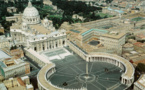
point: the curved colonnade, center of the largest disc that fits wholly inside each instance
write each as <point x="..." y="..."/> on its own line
<point x="44" y="74"/>
<point x="127" y="77"/>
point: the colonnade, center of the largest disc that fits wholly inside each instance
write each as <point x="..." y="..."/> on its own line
<point x="50" y="72"/>
<point x="126" y="81"/>
<point x="35" y="57"/>
<point x="81" y="53"/>
<point x="44" y="84"/>
<point x="48" y="44"/>
<point x="118" y="63"/>
<point x="104" y="57"/>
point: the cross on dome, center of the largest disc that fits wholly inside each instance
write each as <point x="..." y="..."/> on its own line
<point x="29" y="4"/>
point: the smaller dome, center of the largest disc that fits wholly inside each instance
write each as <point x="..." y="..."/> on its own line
<point x="45" y="20"/>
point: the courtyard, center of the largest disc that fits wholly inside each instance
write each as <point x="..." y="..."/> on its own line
<point x="70" y="71"/>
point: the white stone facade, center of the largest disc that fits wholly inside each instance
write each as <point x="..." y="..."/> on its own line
<point x="113" y="43"/>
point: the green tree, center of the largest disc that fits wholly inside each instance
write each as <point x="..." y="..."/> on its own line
<point x="141" y="67"/>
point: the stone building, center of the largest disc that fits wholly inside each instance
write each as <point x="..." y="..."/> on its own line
<point x="12" y="67"/>
<point x="17" y="53"/>
<point x="11" y="9"/>
<point x="109" y="41"/>
<point x="1" y="29"/>
<point x="140" y="83"/>
<point x="18" y="83"/>
<point x="4" y="42"/>
<point x="113" y="40"/>
<point x="16" y="18"/>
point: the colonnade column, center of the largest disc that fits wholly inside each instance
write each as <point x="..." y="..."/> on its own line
<point x="37" y="47"/>
<point x="58" y="45"/>
<point x="65" y="41"/>
<point x="41" y="46"/>
<point x="45" y="45"/>
<point x="61" y="42"/>
<point x="54" y="45"/>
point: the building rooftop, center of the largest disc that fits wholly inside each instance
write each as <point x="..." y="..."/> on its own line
<point x="2" y="86"/>
<point x="119" y="11"/>
<point x="18" y="88"/>
<point x="29" y="86"/>
<point x="40" y="28"/>
<point x="3" y="55"/>
<point x="115" y="36"/>
<point x="128" y="45"/>
<point x="141" y="82"/>
<point x="97" y="30"/>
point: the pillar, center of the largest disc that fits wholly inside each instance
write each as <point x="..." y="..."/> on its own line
<point x="54" y="44"/>
<point x="45" y="45"/>
<point x="37" y="47"/>
<point x="87" y="69"/>
<point x="48" y="45"/>
<point x="61" y="42"/>
<point x="58" y="44"/>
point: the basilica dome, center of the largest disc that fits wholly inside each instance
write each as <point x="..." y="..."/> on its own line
<point x="30" y="12"/>
<point x="31" y="15"/>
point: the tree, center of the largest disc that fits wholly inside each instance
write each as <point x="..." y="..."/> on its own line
<point x="141" y="67"/>
<point x="1" y="33"/>
<point x="11" y="48"/>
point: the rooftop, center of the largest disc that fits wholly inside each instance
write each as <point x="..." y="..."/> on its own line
<point x="2" y="86"/>
<point x="115" y="36"/>
<point x="97" y="30"/>
<point x="119" y="11"/>
<point x="141" y="81"/>
<point x="40" y="28"/>
<point x="3" y="55"/>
